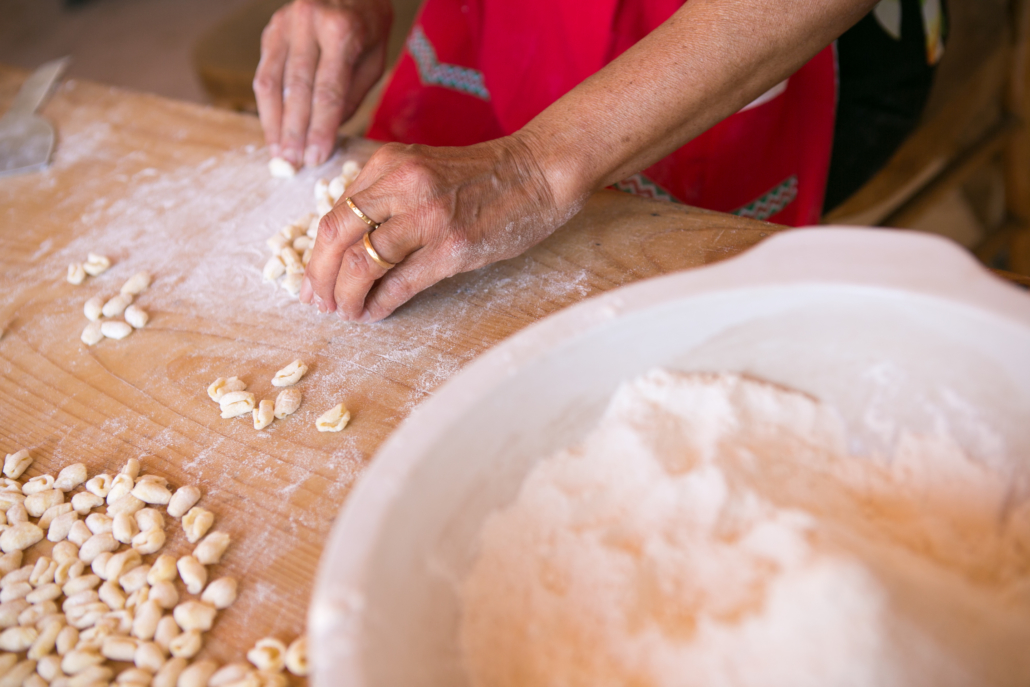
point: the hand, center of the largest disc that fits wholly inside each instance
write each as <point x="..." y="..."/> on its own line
<point x="318" y="60"/>
<point x="443" y="211"/>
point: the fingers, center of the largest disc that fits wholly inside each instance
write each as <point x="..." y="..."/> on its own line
<point x="332" y="81"/>
<point x="268" y="79"/>
<point x="338" y="231"/>
<point x="400" y="285"/>
<point x="298" y="84"/>
<point x="393" y="241"/>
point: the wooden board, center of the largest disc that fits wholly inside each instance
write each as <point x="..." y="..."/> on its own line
<point x="183" y="191"/>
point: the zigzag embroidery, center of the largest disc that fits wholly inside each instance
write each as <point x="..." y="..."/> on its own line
<point x="772" y="202"/>
<point x="435" y="73"/>
<point x="639" y="185"/>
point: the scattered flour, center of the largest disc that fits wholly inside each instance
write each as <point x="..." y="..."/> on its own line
<point x="713" y="530"/>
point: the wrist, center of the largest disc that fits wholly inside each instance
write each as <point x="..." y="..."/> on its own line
<point x="558" y="167"/>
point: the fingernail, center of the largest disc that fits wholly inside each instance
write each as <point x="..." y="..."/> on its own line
<point x="273" y="150"/>
<point x="292" y="155"/>
<point x="366" y="316"/>
<point x="306" y="291"/>
<point x="322" y="307"/>
<point x="312" y="156"/>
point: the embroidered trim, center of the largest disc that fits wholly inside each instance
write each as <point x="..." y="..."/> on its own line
<point x="772" y="202"/>
<point x="639" y="185"/>
<point x="432" y="72"/>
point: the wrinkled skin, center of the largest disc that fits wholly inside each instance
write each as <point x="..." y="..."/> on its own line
<point x="319" y="58"/>
<point x="449" y="210"/>
<point x="492" y="199"/>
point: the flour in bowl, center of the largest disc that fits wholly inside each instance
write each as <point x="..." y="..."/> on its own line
<point x="713" y="530"/>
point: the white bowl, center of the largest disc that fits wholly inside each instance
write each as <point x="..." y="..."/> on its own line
<point x="893" y="328"/>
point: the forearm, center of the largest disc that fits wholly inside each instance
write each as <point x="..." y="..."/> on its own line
<point x="711" y="58"/>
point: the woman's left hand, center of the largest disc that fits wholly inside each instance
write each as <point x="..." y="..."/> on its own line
<point x="442" y="211"/>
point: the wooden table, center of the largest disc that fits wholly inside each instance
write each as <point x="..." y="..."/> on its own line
<point x="183" y="191"/>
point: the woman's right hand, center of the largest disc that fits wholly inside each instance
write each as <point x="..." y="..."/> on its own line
<point x="319" y="58"/>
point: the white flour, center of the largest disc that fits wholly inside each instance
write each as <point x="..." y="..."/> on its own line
<point x="713" y="530"/>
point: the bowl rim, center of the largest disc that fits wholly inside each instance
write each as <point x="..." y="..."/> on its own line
<point x="901" y="260"/>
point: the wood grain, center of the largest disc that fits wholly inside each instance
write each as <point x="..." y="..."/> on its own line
<point x="123" y="156"/>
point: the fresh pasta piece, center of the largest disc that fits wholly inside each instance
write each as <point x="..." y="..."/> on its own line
<point x="38" y="503"/>
<point x="165" y="594"/>
<point x="268" y="654"/>
<point x="17" y="639"/>
<point x="116" y="305"/>
<point x="264" y="414"/>
<point x="291" y="374"/>
<point x="136" y="316"/>
<point x="196" y="523"/>
<point x="99" y="485"/>
<point x="93" y="308"/>
<point x="149" y="541"/>
<point x="335" y="189"/>
<point x="350" y="171"/>
<point x="281" y="168"/>
<point x="193" y="574"/>
<point x="15" y="464"/>
<point x="96" y="264"/>
<point x="137" y="283"/>
<point x="20" y="537"/>
<point x="62" y="525"/>
<point x="194" y="615"/>
<point x="76" y="273"/>
<point x="236" y="403"/>
<point x="221" y="593"/>
<point x="334" y="419"/>
<point x="291" y="260"/>
<point x="230" y="674"/>
<point x="210" y="549"/>
<point x="163" y="570"/>
<point x="92" y="334"/>
<point x="182" y="500"/>
<point x="122" y="563"/>
<point x="70" y="477"/>
<point x="99" y="523"/>
<point x="115" y="329"/>
<point x="117" y="648"/>
<point x="84" y="502"/>
<point x="274" y="268"/>
<point x="42" y="571"/>
<point x="186" y="645"/>
<point x="152" y="492"/>
<point x="96" y="545"/>
<point x="150" y="656"/>
<point x="286" y="403"/>
<point x="149" y="519"/>
<point x="144" y="623"/>
<point x="167" y="630"/>
<point x="222" y="386"/>
<point x="276" y="242"/>
<point x="126" y="504"/>
<point x="171" y="671"/>
<point x="124" y="528"/>
<point x="291" y="282"/>
<point x="52" y="513"/>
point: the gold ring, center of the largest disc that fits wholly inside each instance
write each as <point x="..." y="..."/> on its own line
<point x="375" y="256"/>
<point x="364" y="218"/>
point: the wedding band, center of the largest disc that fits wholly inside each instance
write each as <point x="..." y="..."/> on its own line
<point x="364" y="218"/>
<point x="372" y="252"/>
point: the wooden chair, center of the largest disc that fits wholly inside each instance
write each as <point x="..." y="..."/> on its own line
<point x="976" y="116"/>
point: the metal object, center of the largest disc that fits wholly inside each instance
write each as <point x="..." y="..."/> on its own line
<point x="364" y="218"/>
<point x="385" y="264"/>
<point x="26" y="140"/>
